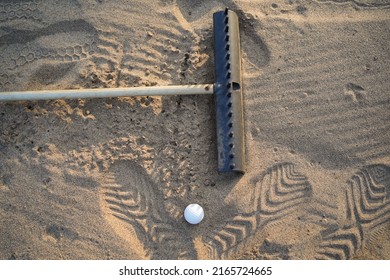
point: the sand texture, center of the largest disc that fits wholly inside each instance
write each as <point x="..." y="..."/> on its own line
<point x="110" y="178"/>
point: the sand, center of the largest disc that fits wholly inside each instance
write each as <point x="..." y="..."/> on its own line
<point x="109" y="178"/>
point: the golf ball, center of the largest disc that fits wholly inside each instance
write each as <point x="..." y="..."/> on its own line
<point x="194" y="214"/>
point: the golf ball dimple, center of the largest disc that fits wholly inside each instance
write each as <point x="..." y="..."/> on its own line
<point x="194" y="214"/>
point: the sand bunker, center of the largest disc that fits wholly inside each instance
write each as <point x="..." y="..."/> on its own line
<point x="110" y="178"/>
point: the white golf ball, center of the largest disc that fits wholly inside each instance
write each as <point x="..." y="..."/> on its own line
<point x="194" y="214"/>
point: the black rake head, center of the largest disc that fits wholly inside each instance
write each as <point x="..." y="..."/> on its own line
<point x="228" y="93"/>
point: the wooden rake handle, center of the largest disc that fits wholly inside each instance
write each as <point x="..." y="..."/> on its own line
<point x="106" y="92"/>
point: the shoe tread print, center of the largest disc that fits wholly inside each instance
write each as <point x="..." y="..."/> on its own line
<point x="280" y="191"/>
<point x="131" y="197"/>
<point x="129" y="201"/>
<point x="367" y="209"/>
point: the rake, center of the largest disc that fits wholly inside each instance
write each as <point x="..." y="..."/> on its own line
<point x="227" y="90"/>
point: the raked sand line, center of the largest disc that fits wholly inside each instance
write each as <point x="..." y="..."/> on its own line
<point x="149" y="52"/>
<point x="362" y="4"/>
<point x="308" y="96"/>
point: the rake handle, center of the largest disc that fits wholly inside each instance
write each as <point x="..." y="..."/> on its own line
<point x="106" y="92"/>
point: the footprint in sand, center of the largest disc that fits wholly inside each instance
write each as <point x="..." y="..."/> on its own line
<point x="31" y="39"/>
<point x="283" y="205"/>
<point x="133" y="203"/>
<point x="278" y="193"/>
<point x="15" y="10"/>
<point x="367" y="204"/>
<point x="63" y="41"/>
<point x="134" y="206"/>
